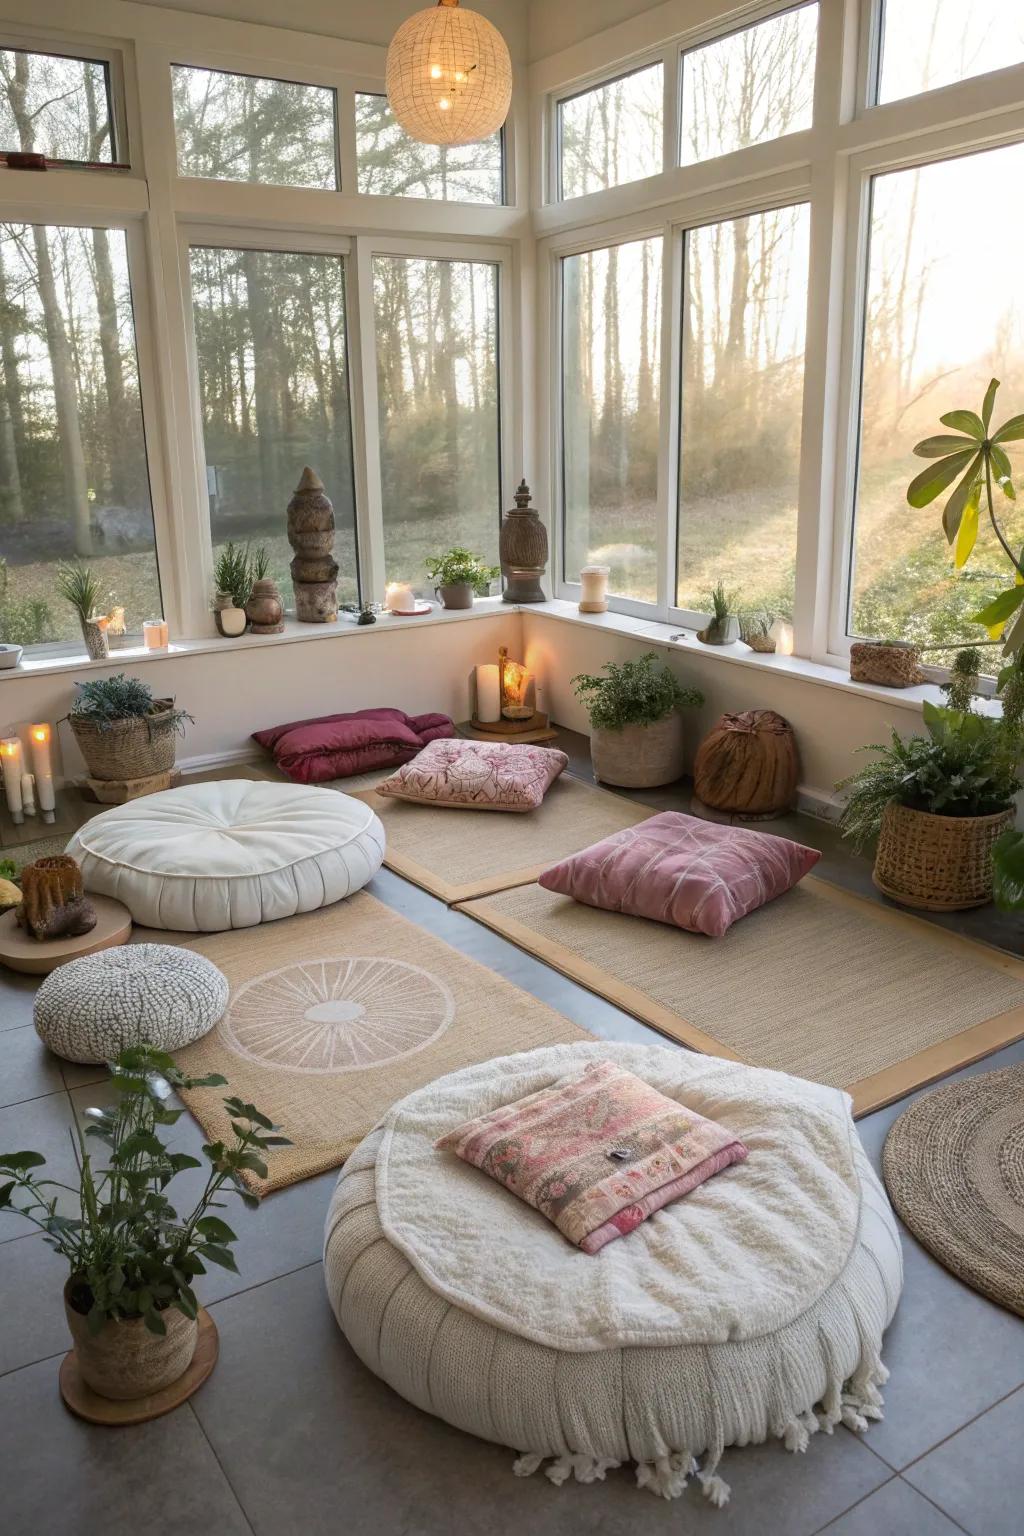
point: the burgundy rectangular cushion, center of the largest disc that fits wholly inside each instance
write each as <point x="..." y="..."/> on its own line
<point x="675" y="869"/>
<point x="338" y="746"/>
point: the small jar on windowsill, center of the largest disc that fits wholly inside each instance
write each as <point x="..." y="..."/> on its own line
<point x="231" y="621"/>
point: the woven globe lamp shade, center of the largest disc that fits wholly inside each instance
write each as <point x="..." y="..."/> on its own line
<point x="449" y="75"/>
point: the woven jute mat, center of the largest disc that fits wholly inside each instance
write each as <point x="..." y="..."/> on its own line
<point x="954" y="1169"/>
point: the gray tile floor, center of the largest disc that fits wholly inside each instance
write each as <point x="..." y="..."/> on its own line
<point x="291" y="1436"/>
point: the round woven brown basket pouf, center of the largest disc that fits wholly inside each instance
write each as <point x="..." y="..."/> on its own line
<point x="132" y="748"/>
<point x="937" y="863"/>
<point x="954" y="1168"/>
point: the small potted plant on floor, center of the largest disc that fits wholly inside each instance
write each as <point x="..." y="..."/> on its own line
<point x="232" y="578"/>
<point x="460" y="574"/>
<point x="77" y="584"/>
<point x="133" y="1259"/>
<point x="723" y="628"/>
<point x="636" y="729"/>
<point x="122" y="731"/>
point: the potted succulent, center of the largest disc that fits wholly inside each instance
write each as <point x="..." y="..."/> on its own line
<point x="263" y="608"/>
<point x="636" y="729"/>
<point x="132" y="1258"/>
<point x="122" y="731"/>
<point x="232" y="579"/>
<point x="77" y="584"/>
<point x="756" y="631"/>
<point x="941" y="804"/>
<point x="723" y="628"/>
<point x="460" y="574"/>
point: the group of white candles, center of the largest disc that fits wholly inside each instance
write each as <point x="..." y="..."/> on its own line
<point x="25" y="791"/>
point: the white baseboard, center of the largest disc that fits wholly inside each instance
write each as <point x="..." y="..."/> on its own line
<point x="824" y="804"/>
<point x="207" y="761"/>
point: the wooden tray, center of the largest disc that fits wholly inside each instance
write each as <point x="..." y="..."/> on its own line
<point x="38" y="957"/>
<point x="87" y="1404"/>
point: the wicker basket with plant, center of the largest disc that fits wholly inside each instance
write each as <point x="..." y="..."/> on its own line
<point x="636" y="729"/>
<point x="122" y="731"/>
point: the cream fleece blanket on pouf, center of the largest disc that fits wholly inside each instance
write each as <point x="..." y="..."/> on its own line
<point x="754" y="1307"/>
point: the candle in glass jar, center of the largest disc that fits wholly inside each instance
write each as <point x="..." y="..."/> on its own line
<point x="594" y="588"/>
<point x="11" y="758"/>
<point x="154" y="634"/>
<point x="399" y="597"/>
<point x="488" y="693"/>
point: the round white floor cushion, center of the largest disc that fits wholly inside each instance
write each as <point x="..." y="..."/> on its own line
<point x="89" y="1009"/>
<point x="230" y="854"/>
<point x="753" y="1307"/>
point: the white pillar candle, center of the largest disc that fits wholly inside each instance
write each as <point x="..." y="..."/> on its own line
<point x="10" y="756"/>
<point x="488" y="693"/>
<point x="46" y="797"/>
<point x="39" y="740"/>
<point x="28" y="794"/>
<point x="399" y="597"/>
<point x="594" y="588"/>
<point x="783" y="638"/>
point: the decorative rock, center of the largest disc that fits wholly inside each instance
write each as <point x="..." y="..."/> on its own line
<point x="53" y="903"/>
<point x="748" y="764"/>
<point x="523" y="550"/>
<point x="90" y="1009"/>
<point x="311" y="536"/>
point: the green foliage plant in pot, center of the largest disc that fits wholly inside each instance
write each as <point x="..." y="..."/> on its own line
<point x="459" y="575"/>
<point x="233" y="582"/>
<point x="636" y="738"/>
<point x="122" y="731"/>
<point x="78" y="586"/>
<point x="133" y="1258"/>
<point x="723" y="627"/>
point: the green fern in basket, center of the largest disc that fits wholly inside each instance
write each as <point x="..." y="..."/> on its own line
<point x="104" y="701"/>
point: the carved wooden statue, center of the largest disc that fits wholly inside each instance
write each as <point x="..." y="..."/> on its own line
<point x="54" y="904"/>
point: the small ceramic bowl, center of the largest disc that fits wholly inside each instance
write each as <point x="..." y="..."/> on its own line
<point x="10" y="655"/>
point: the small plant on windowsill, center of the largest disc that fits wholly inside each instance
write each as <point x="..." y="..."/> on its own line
<point x="458" y="575"/>
<point x="636" y="735"/>
<point x="232" y="579"/>
<point x="756" y="631"/>
<point x="723" y="628"/>
<point x="79" y="586"/>
<point x="132" y="1258"/>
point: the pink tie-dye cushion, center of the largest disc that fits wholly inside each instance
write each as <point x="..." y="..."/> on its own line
<point x="675" y="869"/>
<point x="597" y="1154"/>
<point x="477" y="775"/>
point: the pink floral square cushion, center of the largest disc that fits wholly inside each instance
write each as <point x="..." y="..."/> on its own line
<point x="675" y="869"/>
<point x="477" y="775"/>
<point x="596" y="1154"/>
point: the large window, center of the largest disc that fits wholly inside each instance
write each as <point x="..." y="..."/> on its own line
<point x="73" y="477"/>
<point x="928" y="43"/>
<point x="611" y="325"/>
<point x="612" y="133"/>
<point x="245" y="128"/>
<point x="273" y="384"/>
<point x="945" y="313"/>
<point x="55" y="106"/>
<point x="744" y="313"/>
<point x="437" y="390"/>
<point x="392" y="164"/>
<point x="749" y="86"/>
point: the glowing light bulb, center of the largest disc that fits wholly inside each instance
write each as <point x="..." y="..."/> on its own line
<point x="444" y="104"/>
<point x="460" y="76"/>
<point x="435" y="72"/>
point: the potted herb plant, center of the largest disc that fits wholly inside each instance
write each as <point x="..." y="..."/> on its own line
<point x="232" y="578"/>
<point x="723" y="628"/>
<point x="122" y="731"/>
<point x="636" y="729"/>
<point x="77" y="584"/>
<point x="132" y="1257"/>
<point x="460" y="574"/>
<point x="263" y="607"/>
<point x="941" y="804"/>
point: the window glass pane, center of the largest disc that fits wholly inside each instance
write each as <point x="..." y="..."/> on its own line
<point x="437" y="391"/>
<point x="273" y="389"/>
<point x="611" y="326"/>
<point x="244" y="128"/>
<point x="611" y="134"/>
<point x="945" y="313"/>
<point x="390" y="163"/>
<point x="928" y="43"/>
<point x="750" y="86"/>
<point x="744" y="317"/>
<point x="55" y="106"/>
<point x="73" y="475"/>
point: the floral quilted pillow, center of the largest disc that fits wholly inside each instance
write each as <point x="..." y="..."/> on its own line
<point x="477" y="775"/>
<point x="675" y="869"/>
<point x="598" y="1154"/>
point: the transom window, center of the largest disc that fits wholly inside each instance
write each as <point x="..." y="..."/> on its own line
<point x="611" y="133"/>
<point x="54" y="105"/>
<point x="392" y="164"/>
<point x="929" y="43"/>
<point x="247" y="128"/>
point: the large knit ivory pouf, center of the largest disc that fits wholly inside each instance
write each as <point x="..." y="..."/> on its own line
<point x="90" y="1009"/>
<point x="231" y="854"/>
<point x="754" y="1307"/>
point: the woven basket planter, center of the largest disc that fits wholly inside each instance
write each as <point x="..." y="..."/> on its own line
<point x="129" y="749"/>
<point x="937" y="863"/>
<point x="887" y="663"/>
<point x="639" y="756"/>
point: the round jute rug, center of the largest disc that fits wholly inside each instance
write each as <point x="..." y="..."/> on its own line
<point x="954" y="1168"/>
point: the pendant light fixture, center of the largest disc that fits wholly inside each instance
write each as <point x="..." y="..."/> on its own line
<point x="449" y="75"/>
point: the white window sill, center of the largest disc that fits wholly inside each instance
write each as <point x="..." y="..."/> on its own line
<point x="293" y="632"/>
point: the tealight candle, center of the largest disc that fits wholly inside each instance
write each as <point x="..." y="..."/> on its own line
<point x="11" y="758"/>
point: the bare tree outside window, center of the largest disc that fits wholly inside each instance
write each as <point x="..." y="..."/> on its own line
<point x="750" y="86"/>
<point x="391" y="164"/>
<point x="272" y="358"/>
<point x="611" y="134"/>
<point x="944" y="315"/>
<point x="611" y="327"/>
<point x="247" y="128"/>
<point x="438" y="409"/>
<point x="930" y="43"/>
<point x="59" y="105"/>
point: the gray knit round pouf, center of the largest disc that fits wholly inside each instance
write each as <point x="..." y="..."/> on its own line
<point x="90" y="1009"/>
